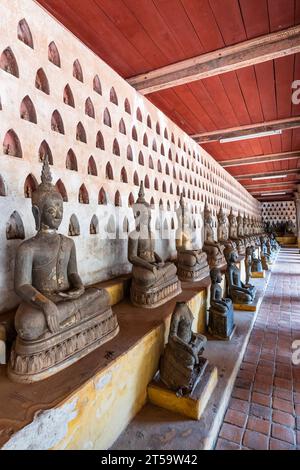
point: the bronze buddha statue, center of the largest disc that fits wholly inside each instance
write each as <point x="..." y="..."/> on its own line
<point x="238" y="292"/>
<point x="154" y="282"/>
<point x="213" y="249"/>
<point x="221" y="321"/>
<point x="59" y="320"/>
<point x="191" y="263"/>
<point x="182" y="364"/>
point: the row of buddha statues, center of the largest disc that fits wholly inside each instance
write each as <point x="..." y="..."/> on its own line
<point x="59" y="320"/>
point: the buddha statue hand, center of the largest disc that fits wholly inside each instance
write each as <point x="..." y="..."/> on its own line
<point x="51" y="314"/>
<point x="72" y="294"/>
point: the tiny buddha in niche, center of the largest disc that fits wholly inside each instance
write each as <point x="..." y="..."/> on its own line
<point x="182" y="364"/>
<point x="154" y="281"/>
<point x="59" y="320"/>
<point x="191" y="263"/>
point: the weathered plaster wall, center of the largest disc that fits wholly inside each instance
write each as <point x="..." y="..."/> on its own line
<point x="185" y="166"/>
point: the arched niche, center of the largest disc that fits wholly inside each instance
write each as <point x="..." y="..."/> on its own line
<point x="27" y="110"/>
<point x="129" y="153"/>
<point x="116" y="148"/>
<point x="74" y="227"/>
<point x="123" y="176"/>
<point x="118" y="199"/>
<point x="3" y="191"/>
<point x="94" y="225"/>
<point x="109" y="172"/>
<point x="106" y="118"/>
<point x="100" y="141"/>
<point x="68" y="97"/>
<point x="127" y="106"/>
<point x="92" y="168"/>
<point x="145" y="140"/>
<point x="141" y="159"/>
<point x="62" y="190"/>
<point x="57" y="124"/>
<point x="89" y="108"/>
<point x="77" y="70"/>
<point x="80" y="133"/>
<point x="71" y="161"/>
<point x="12" y="145"/>
<point x="97" y="85"/>
<point x="83" y="195"/>
<point x="136" y="180"/>
<point x="8" y="62"/>
<point x="53" y="54"/>
<point x="113" y="96"/>
<point x="30" y="186"/>
<point x="122" y="127"/>
<point x="41" y="81"/>
<point x="134" y="134"/>
<point x="139" y="115"/>
<point x="130" y="200"/>
<point x="102" y="199"/>
<point x="15" y="228"/>
<point x="24" y="33"/>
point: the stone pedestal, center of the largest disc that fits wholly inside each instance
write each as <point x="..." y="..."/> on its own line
<point x="258" y="274"/>
<point x="191" y="406"/>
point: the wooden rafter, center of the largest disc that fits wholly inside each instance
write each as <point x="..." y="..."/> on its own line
<point x="267" y="175"/>
<point x="279" y="124"/>
<point x="272" y="157"/>
<point x="244" y="54"/>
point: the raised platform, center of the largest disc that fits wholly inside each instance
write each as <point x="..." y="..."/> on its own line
<point x="258" y="274"/>
<point x="191" y="406"/>
<point x="155" y="428"/>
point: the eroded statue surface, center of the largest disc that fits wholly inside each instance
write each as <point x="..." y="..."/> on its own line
<point x="238" y="291"/>
<point x="154" y="281"/>
<point x="59" y="320"/>
<point x="191" y="263"/>
<point x="182" y="364"/>
<point x="221" y="317"/>
<point x="213" y="249"/>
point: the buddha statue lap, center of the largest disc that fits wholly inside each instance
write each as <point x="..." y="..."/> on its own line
<point x="191" y="263"/>
<point x="213" y="249"/>
<point x="221" y="321"/>
<point x="154" y="281"/>
<point x="59" y="320"/>
<point x="182" y="364"/>
<point x="238" y="291"/>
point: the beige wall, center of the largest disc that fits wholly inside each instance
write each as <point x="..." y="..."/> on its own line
<point x="98" y="256"/>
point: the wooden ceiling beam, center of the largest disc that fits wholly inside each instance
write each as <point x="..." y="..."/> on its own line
<point x="276" y="184"/>
<point x="267" y="175"/>
<point x="272" y="157"/>
<point x="244" y="54"/>
<point x="245" y="131"/>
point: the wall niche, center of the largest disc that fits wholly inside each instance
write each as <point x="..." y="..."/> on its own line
<point x="53" y="54"/>
<point x="41" y="81"/>
<point x="80" y="133"/>
<point x="3" y="191"/>
<point x="74" y="227"/>
<point x="100" y="141"/>
<point x="12" y="145"/>
<point x="89" y="108"/>
<point x="102" y="200"/>
<point x="27" y="110"/>
<point x="92" y="168"/>
<point x="44" y="150"/>
<point x="97" y="85"/>
<point x="62" y="190"/>
<point x="15" y="228"/>
<point x="71" y="161"/>
<point x="8" y="62"/>
<point x="77" y="71"/>
<point x="57" y="124"/>
<point x="30" y="186"/>
<point x="24" y="33"/>
<point x="94" y="225"/>
<point x="83" y="195"/>
<point x="68" y="97"/>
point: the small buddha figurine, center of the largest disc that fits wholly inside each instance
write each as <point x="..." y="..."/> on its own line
<point x="213" y="249"/>
<point x="59" y="320"/>
<point x="191" y="263"/>
<point x="154" y="282"/>
<point x="182" y="363"/>
<point x="238" y="291"/>
<point x="222" y="227"/>
<point x="240" y="234"/>
<point x="221" y="323"/>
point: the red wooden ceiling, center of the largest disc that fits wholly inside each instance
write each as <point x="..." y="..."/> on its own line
<point x="136" y="36"/>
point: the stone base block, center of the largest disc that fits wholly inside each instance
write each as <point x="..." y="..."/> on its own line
<point x="258" y="274"/>
<point x="189" y="275"/>
<point x="253" y="307"/>
<point x="156" y="296"/>
<point x="191" y="406"/>
<point x="221" y="338"/>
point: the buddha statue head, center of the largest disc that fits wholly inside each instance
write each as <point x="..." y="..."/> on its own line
<point x="215" y="275"/>
<point x="222" y="217"/>
<point x="47" y="202"/>
<point x="231" y="256"/>
<point x="142" y="210"/>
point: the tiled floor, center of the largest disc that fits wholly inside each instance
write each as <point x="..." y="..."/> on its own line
<point x="264" y="410"/>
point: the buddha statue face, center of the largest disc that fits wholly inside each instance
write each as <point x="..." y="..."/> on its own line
<point x="142" y="215"/>
<point x="233" y="256"/>
<point x="52" y="212"/>
<point x="216" y="275"/>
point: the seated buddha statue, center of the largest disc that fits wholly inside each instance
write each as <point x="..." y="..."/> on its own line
<point x="182" y="364"/>
<point x="213" y="249"/>
<point x="246" y="230"/>
<point x="191" y="263"/>
<point x="59" y="320"/>
<point x="238" y="291"/>
<point x="221" y="323"/>
<point x="256" y="263"/>
<point x="240" y="234"/>
<point x="154" y="281"/>
<point x="222" y="231"/>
